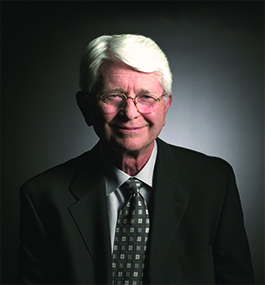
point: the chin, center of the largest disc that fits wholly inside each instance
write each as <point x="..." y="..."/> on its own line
<point x="131" y="145"/>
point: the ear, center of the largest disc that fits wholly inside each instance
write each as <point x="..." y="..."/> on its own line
<point x="84" y="105"/>
<point x="168" y="102"/>
<point x="167" y="105"/>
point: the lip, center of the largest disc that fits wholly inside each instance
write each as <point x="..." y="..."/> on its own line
<point x="128" y="129"/>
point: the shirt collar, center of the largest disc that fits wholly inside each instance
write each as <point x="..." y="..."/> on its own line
<point x="114" y="177"/>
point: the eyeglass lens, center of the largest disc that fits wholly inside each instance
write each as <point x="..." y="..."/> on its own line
<point x="111" y="103"/>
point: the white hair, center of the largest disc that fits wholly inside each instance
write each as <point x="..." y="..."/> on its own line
<point x="139" y="52"/>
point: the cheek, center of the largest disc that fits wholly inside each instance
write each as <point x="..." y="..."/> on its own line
<point x="102" y="125"/>
<point x="163" y="114"/>
<point x="164" y="119"/>
<point x="161" y="119"/>
<point x="157" y="120"/>
<point x="100" y="118"/>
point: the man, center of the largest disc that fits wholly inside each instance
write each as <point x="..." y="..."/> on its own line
<point x="183" y="223"/>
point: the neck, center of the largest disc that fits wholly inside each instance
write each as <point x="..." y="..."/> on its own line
<point x="130" y="162"/>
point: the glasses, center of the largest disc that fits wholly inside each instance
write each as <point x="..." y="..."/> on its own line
<point x="111" y="102"/>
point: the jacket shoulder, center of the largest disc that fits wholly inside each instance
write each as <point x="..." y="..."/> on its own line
<point x="192" y="160"/>
<point x="60" y="176"/>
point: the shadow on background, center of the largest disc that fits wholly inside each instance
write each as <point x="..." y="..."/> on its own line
<point x="215" y="50"/>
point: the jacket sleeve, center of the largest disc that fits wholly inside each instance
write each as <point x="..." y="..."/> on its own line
<point x="231" y="249"/>
<point x="33" y="250"/>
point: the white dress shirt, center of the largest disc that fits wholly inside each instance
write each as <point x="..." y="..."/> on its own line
<point x="114" y="178"/>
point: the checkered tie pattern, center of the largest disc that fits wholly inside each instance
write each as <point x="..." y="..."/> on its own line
<point x="130" y="238"/>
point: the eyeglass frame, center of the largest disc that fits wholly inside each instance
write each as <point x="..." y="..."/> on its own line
<point x="133" y="98"/>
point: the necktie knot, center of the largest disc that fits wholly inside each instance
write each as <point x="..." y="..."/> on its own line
<point x="133" y="185"/>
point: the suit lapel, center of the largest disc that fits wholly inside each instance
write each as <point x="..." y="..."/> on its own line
<point x="170" y="202"/>
<point x="91" y="215"/>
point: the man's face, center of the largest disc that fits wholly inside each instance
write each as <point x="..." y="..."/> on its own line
<point x="127" y="129"/>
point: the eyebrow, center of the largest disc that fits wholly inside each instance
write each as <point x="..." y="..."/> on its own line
<point x="113" y="90"/>
<point x="142" y="90"/>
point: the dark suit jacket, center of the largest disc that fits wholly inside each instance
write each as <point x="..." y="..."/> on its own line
<point x="197" y="234"/>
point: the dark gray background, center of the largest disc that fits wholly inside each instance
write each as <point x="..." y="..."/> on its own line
<point x="215" y="50"/>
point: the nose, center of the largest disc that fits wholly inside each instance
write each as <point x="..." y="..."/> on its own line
<point x="130" y="109"/>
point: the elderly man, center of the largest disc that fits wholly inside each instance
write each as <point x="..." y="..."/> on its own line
<point x="134" y="209"/>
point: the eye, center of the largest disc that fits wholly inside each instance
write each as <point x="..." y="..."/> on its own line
<point x="145" y="96"/>
<point x="114" y="95"/>
<point x="110" y="98"/>
<point x="149" y="98"/>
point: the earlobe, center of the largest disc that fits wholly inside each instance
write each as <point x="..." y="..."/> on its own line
<point x="84" y="106"/>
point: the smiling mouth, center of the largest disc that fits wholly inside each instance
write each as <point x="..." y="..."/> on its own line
<point x="131" y="129"/>
<point x="121" y="128"/>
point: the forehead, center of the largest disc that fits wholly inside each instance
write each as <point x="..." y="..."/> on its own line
<point x="121" y="76"/>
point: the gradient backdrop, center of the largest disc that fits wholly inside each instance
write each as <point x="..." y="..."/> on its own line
<point x="216" y="53"/>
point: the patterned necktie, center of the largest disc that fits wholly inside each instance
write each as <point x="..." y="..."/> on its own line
<point x="130" y="238"/>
